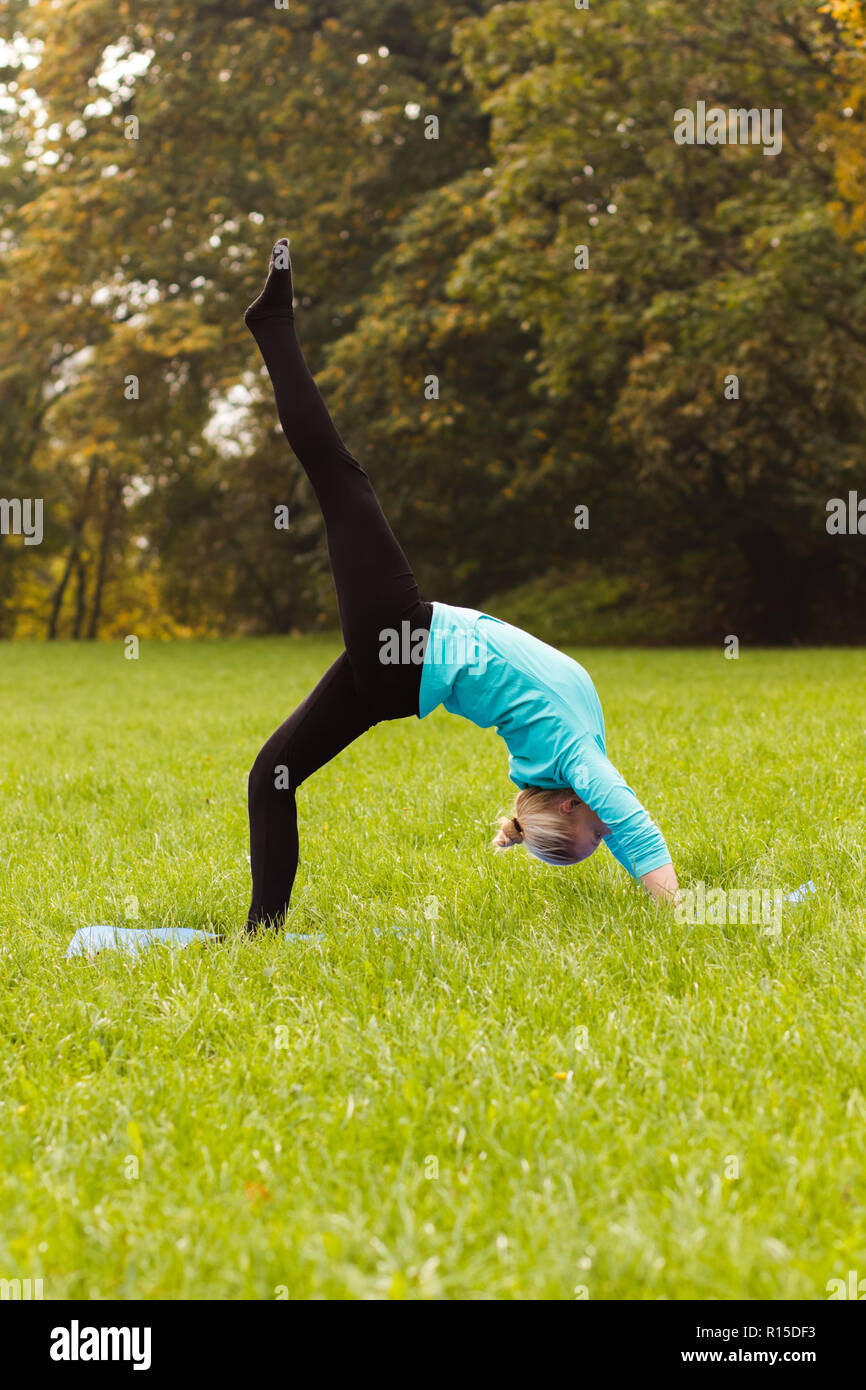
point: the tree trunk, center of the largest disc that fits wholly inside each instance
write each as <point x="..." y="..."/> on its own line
<point x="59" y="594"/>
<point x="80" y="596"/>
<point x="78" y="521"/>
<point x="113" y="492"/>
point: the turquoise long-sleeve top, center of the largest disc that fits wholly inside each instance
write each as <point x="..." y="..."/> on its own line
<point x="545" y="707"/>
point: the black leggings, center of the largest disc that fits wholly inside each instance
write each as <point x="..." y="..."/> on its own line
<point x="376" y="589"/>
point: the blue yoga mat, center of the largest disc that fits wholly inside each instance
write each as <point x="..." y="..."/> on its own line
<point x="87" y="941"/>
<point x="800" y="894"/>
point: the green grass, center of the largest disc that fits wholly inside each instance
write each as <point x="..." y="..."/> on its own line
<point x="287" y="1104"/>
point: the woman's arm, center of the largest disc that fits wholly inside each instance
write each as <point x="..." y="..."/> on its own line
<point x="662" y="884"/>
<point x="632" y="837"/>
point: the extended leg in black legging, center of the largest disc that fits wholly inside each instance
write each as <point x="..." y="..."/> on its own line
<point x="376" y="589"/>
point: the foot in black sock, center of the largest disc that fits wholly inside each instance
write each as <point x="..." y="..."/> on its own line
<point x="275" y="300"/>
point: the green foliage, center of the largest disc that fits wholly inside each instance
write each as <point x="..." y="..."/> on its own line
<point x="588" y="609"/>
<point x="449" y="257"/>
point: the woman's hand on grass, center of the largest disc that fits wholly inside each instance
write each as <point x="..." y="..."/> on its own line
<point x="662" y="885"/>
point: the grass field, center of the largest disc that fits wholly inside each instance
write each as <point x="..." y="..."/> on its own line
<point x="489" y="1078"/>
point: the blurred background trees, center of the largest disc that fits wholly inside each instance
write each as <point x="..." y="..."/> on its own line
<point x="435" y="167"/>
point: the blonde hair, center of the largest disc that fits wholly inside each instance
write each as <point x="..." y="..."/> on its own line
<point x="538" y="823"/>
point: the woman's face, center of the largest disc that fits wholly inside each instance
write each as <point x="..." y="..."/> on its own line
<point x="589" y="830"/>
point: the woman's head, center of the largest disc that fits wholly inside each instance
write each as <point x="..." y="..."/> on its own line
<point x="556" y="826"/>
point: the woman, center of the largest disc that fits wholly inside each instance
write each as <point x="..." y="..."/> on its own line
<point x="405" y="657"/>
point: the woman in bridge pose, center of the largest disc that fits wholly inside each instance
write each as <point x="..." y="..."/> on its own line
<point x="404" y="657"/>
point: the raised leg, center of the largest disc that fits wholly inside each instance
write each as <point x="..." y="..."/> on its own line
<point x="376" y="588"/>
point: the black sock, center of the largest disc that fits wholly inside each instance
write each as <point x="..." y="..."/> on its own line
<point x="275" y="300"/>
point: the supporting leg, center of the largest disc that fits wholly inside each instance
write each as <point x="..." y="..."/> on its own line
<point x="332" y="716"/>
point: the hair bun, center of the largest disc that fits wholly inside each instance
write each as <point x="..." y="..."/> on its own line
<point x="510" y="833"/>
